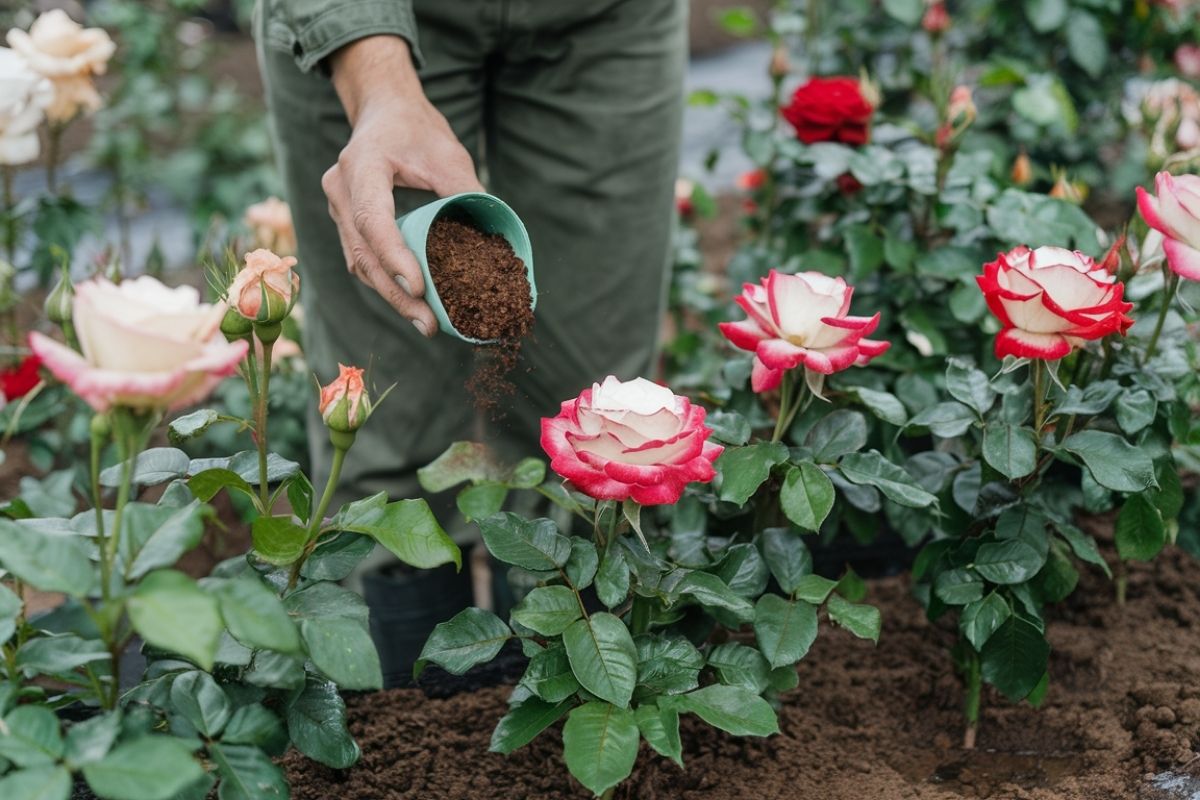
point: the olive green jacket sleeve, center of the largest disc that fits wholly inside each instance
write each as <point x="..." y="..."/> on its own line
<point x="312" y="29"/>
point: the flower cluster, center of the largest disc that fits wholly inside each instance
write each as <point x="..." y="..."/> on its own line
<point x="70" y="56"/>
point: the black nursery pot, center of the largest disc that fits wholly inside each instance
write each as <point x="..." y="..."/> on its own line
<point x="405" y="605"/>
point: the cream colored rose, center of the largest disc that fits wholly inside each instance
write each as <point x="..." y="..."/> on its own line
<point x="62" y="50"/>
<point x="270" y="222"/>
<point x="144" y="346"/>
<point x="24" y="96"/>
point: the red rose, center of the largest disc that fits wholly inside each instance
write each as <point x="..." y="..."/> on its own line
<point x="1050" y="300"/>
<point x="830" y="110"/>
<point x="18" y="381"/>
<point x="630" y="440"/>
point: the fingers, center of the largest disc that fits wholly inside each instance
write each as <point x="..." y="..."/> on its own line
<point x="363" y="263"/>
<point x="373" y="216"/>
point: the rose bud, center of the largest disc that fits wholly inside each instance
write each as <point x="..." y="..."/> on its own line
<point x="266" y="288"/>
<point x="59" y="301"/>
<point x="344" y="403"/>
<point x="683" y="197"/>
<point x="1050" y="301"/>
<point x="801" y="320"/>
<point x="1175" y="213"/>
<point x="780" y="64"/>
<point x="936" y="19"/>
<point x="1112" y="259"/>
<point x="235" y="326"/>
<point x="831" y="110"/>
<point x="1022" y="170"/>
<point x="144" y="346"/>
<point x="1070" y="191"/>
<point x="631" y="440"/>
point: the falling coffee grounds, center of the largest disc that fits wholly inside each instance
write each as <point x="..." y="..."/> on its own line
<point x="485" y="291"/>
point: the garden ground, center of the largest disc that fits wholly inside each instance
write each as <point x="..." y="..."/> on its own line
<point x="1120" y="720"/>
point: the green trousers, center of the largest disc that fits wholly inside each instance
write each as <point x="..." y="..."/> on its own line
<point x="572" y="111"/>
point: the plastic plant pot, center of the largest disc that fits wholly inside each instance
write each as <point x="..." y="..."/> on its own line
<point x="487" y="213"/>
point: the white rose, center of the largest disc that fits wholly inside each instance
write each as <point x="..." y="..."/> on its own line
<point x="24" y="95"/>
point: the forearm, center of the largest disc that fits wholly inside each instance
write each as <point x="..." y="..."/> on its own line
<point x="375" y="67"/>
<point x="313" y="30"/>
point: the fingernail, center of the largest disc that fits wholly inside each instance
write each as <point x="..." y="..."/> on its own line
<point x="420" y="325"/>
<point x="400" y="279"/>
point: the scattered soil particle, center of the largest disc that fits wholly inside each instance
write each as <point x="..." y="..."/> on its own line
<point x="483" y="286"/>
<point x="866" y="721"/>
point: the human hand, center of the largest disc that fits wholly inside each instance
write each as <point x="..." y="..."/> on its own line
<point x="398" y="139"/>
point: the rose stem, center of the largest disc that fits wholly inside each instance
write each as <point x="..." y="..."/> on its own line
<point x="971" y="704"/>
<point x="260" y="427"/>
<point x="1038" y="368"/>
<point x="99" y="435"/>
<point x="785" y="401"/>
<point x="341" y="444"/>
<point x="1172" y="288"/>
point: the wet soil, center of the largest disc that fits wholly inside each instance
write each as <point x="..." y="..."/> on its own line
<point x="866" y="721"/>
<point x="485" y="290"/>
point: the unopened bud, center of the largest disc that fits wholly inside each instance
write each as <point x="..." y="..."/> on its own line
<point x="1022" y="170"/>
<point x="781" y="65"/>
<point x="61" y="300"/>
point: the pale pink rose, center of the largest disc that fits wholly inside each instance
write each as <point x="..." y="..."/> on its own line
<point x="1175" y="213"/>
<point x="630" y="440"/>
<point x="145" y="346"/>
<point x="1050" y="300"/>
<point x="1187" y="60"/>
<point x="344" y="403"/>
<point x="24" y="97"/>
<point x="801" y="320"/>
<point x="62" y="50"/>
<point x="266" y="288"/>
<point x="270" y="222"/>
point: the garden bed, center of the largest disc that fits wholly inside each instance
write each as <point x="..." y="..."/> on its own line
<point x="867" y="721"/>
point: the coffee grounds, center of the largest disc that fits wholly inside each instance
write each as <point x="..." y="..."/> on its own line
<point x="485" y="290"/>
<point x="866" y="721"/>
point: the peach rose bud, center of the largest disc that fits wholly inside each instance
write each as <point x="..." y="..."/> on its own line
<point x="266" y="288"/>
<point x="344" y="404"/>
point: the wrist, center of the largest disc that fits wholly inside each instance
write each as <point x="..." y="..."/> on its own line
<point x="374" y="69"/>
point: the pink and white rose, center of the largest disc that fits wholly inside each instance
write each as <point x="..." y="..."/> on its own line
<point x="145" y="346"/>
<point x="630" y="440"/>
<point x="1050" y="301"/>
<point x="801" y="320"/>
<point x="1175" y="213"/>
<point x="24" y="96"/>
<point x="62" y="50"/>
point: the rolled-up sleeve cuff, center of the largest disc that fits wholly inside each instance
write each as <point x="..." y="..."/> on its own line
<point x="346" y="22"/>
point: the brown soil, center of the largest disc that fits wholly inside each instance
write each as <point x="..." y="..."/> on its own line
<point x="880" y="722"/>
<point x="485" y="290"/>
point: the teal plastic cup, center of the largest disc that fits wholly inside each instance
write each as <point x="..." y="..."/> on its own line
<point x="487" y="213"/>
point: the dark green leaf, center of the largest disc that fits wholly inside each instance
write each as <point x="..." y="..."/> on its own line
<point x="30" y="736"/>
<point x="743" y="469"/>
<point x="1014" y="658"/>
<point x="406" y="528"/>
<point x="733" y="709"/>
<point x="807" y="496"/>
<point x="549" y="675"/>
<point x="548" y="610"/>
<point x="523" y="722"/>
<point x="957" y="587"/>
<point x="531" y="544"/>
<point x="278" y="540"/>
<point x="667" y="664"/>
<point x="660" y="729"/>
<point x="191" y="425"/>
<point x="170" y="611"/>
<point x="600" y="744"/>
<point x="247" y="773"/>
<point x="980" y="619"/>
<point x="603" y="657"/>
<point x="471" y="637"/>
<point x="316" y="722"/>
<point x="1140" y="533"/>
<point x="612" y="578"/>
<point x="860" y="619"/>
<point x="785" y="629"/>
<point x="255" y="616"/>
<point x="198" y="698"/>
<point x="1010" y="450"/>
<point x="787" y="557"/>
<point x="39" y="783"/>
<point x="148" y="768"/>
<point x="481" y="500"/>
<point x="836" y="434"/>
<point x="47" y="561"/>
<point x="1008" y="561"/>
<point x="1113" y="462"/>
<point x="873" y="469"/>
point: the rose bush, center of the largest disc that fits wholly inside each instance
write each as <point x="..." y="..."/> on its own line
<point x="1174" y="211"/>
<point x="1050" y="300"/>
<point x="142" y="345"/>
<point x="631" y="440"/>
<point x="801" y="320"/>
<point x="830" y="110"/>
<point x="23" y="101"/>
<point x="68" y="54"/>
